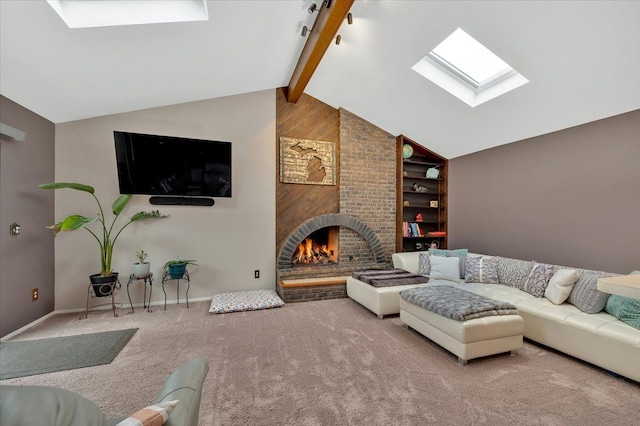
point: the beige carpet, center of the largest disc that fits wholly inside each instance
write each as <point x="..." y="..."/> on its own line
<point x="334" y="363"/>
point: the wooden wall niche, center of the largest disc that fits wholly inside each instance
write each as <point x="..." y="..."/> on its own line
<point x="307" y="119"/>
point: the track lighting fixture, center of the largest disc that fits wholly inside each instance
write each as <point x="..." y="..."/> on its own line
<point x="312" y="8"/>
<point x="349" y="18"/>
<point x="338" y="38"/>
<point x="305" y="30"/>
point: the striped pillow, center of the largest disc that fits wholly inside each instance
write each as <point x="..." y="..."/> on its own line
<point x="586" y="296"/>
<point x="154" y="415"/>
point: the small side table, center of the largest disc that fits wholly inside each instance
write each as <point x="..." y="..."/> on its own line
<point x="145" y="280"/>
<point x="166" y="277"/>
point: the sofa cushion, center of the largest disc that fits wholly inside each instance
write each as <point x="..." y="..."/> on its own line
<point x="625" y="309"/>
<point x="513" y="272"/>
<point x="459" y="253"/>
<point x="44" y="405"/>
<point x="445" y="268"/>
<point x="585" y="294"/>
<point x="538" y="279"/>
<point x="481" y="270"/>
<point x="560" y="285"/>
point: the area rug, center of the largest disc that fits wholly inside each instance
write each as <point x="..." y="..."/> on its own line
<point x="251" y="300"/>
<point x="31" y="357"/>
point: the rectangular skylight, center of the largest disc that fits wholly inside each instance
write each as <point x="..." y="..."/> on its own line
<point x="468" y="70"/>
<point x="103" y="13"/>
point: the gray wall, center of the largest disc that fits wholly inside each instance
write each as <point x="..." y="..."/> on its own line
<point x="570" y="198"/>
<point x="26" y="262"/>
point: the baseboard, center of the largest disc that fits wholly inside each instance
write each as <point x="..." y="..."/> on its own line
<point x="28" y="326"/>
<point x="99" y="308"/>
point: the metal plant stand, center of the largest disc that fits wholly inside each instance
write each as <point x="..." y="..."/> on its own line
<point x="166" y="277"/>
<point x="112" y="292"/>
<point x="145" y="280"/>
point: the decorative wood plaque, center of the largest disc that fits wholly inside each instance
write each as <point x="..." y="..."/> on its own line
<point x="307" y="162"/>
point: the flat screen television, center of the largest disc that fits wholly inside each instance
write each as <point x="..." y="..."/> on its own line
<point x="172" y="166"/>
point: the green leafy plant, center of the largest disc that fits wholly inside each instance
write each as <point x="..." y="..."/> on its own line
<point x="179" y="262"/>
<point x="141" y="255"/>
<point x="104" y="236"/>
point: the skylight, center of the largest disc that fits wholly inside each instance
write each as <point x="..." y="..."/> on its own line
<point x="104" y="13"/>
<point x="468" y="70"/>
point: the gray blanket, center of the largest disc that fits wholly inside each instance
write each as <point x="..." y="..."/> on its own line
<point x="388" y="277"/>
<point x="455" y="303"/>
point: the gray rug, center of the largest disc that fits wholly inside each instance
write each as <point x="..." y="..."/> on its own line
<point x="30" y="357"/>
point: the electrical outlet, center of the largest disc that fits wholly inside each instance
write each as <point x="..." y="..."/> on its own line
<point x="256" y="273"/>
<point x="34" y="294"/>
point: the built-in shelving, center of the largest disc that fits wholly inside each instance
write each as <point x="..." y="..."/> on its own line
<point x="412" y="171"/>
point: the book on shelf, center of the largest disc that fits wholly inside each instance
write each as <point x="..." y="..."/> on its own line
<point x="437" y="234"/>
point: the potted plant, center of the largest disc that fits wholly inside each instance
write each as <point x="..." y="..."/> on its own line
<point x="141" y="269"/>
<point x="106" y="235"/>
<point x="177" y="267"/>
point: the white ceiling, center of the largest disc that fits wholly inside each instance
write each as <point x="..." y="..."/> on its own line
<point x="581" y="57"/>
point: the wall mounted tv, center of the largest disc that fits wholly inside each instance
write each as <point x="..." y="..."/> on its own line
<point x="172" y="166"/>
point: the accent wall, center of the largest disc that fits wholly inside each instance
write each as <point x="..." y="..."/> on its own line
<point x="26" y="261"/>
<point x="570" y="197"/>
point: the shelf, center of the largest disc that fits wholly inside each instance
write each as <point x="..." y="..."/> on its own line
<point x="422" y="193"/>
<point x="422" y="238"/>
<point x="421" y="206"/>
<point x="421" y="163"/>
<point x="423" y="178"/>
<point x="411" y="174"/>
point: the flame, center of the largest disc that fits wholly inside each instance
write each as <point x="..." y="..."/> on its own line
<point x="308" y="250"/>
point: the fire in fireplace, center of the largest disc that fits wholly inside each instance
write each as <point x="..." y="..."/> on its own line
<point x="319" y="248"/>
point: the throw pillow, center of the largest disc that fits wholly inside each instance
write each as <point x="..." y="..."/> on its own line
<point x="424" y="266"/>
<point x="154" y="415"/>
<point x="625" y="309"/>
<point x="538" y="279"/>
<point x="513" y="272"/>
<point x="586" y="296"/>
<point x="481" y="270"/>
<point x="459" y="253"/>
<point x="444" y="268"/>
<point x="560" y="285"/>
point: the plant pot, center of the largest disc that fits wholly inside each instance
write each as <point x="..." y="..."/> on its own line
<point x="141" y="270"/>
<point x="103" y="286"/>
<point x="177" y="271"/>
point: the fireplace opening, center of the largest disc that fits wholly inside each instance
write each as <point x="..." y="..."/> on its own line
<point x="319" y="248"/>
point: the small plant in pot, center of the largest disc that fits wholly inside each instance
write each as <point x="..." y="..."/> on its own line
<point x="141" y="269"/>
<point x="105" y="235"/>
<point x="177" y="267"/>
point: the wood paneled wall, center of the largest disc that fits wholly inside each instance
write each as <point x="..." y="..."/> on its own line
<point x="307" y="119"/>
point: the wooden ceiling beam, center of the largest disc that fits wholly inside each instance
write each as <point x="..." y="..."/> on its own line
<point x="324" y="32"/>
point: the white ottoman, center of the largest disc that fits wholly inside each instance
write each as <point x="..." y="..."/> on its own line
<point x="379" y="300"/>
<point x="466" y="339"/>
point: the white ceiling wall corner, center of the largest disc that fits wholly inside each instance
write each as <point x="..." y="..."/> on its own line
<point x="68" y="74"/>
<point x="580" y="57"/>
<point x="577" y="56"/>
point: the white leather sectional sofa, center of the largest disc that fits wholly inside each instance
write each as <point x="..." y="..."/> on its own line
<point x="600" y="339"/>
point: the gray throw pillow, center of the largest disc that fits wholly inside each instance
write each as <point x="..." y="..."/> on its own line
<point x="424" y="266"/>
<point x="586" y="296"/>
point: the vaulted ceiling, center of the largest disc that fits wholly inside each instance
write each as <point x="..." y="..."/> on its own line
<point x="581" y="57"/>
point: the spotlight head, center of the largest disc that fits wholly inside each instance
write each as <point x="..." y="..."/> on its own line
<point x="349" y="18"/>
<point x="304" y="32"/>
<point x="312" y="8"/>
<point x="338" y="38"/>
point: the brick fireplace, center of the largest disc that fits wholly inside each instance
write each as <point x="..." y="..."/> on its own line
<point x="362" y="206"/>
